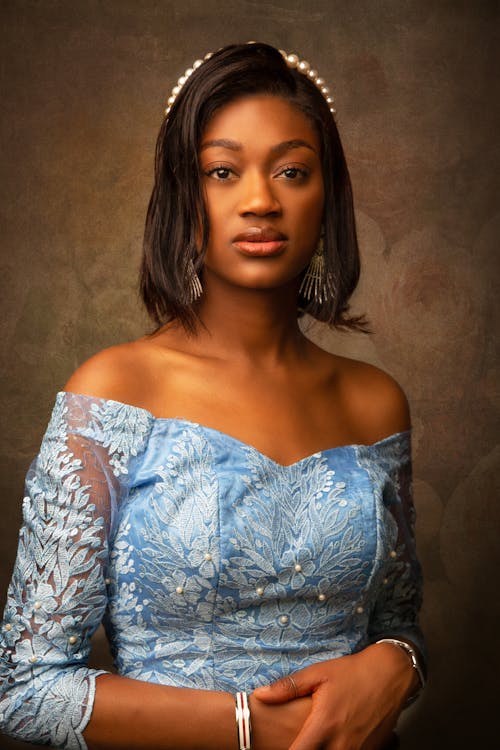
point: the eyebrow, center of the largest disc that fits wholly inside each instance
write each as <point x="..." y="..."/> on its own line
<point x="277" y="150"/>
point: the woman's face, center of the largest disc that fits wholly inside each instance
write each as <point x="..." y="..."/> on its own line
<point x="264" y="194"/>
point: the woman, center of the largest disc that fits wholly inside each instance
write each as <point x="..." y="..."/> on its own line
<point x="231" y="499"/>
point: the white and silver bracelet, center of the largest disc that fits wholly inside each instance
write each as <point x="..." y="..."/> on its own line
<point x="243" y="721"/>
<point x="415" y="663"/>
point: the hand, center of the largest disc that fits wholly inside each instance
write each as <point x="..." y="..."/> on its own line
<point x="356" y="700"/>
<point x="275" y="726"/>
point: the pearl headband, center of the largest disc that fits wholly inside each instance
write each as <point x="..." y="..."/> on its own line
<point x="291" y="60"/>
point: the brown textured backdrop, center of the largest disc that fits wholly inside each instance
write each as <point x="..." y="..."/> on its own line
<point x="83" y="85"/>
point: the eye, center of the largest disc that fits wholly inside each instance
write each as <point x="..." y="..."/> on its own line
<point x="219" y="173"/>
<point x="293" y="173"/>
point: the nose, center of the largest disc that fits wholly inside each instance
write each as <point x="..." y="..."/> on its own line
<point x="257" y="196"/>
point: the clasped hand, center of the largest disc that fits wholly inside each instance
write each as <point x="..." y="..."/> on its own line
<point x="354" y="701"/>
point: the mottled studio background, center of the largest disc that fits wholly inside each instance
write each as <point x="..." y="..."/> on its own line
<point x="82" y="91"/>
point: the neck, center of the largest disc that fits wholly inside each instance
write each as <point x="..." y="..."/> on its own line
<point x="253" y="325"/>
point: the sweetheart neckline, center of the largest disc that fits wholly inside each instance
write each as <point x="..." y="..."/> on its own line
<point x="227" y="436"/>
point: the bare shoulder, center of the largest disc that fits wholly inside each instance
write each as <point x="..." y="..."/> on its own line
<point x="373" y="399"/>
<point x="121" y="373"/>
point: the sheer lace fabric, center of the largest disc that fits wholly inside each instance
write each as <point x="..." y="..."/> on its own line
<point x="211" y="565"/>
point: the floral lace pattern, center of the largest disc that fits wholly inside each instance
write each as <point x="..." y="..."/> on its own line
<point x="211" y="565"/>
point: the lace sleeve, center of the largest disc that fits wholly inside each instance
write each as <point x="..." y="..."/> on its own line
<point x="399" y="595"/>
<point x="57" y="595"/>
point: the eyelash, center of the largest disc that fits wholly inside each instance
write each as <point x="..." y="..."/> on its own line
<point x="301" y="174"/>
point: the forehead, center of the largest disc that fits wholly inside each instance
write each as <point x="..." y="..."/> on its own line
<point x="259" y="121"/>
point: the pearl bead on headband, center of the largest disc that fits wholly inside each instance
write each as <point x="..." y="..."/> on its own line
<point x="292" y="60"/>
<point x="304" y="67"/>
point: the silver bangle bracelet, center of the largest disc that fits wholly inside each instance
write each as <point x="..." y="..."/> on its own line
<point x="414" y="661"/>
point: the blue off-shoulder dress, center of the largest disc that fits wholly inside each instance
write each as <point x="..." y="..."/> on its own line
<point x="211" y="565"/>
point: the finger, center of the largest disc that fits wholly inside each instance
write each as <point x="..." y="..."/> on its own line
<point x="285" y="689"/>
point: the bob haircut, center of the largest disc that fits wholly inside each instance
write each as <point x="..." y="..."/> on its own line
<point x="177" y="218"/>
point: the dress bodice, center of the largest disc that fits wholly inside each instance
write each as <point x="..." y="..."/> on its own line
<point x="211" y="565"/>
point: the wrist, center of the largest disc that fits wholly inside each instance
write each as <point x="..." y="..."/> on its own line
<point x="243" y="723"/>
<point x="414" y="663"/>
<point x="276" y="725"/>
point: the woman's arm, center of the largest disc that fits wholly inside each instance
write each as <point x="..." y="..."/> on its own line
<point x="395" y="614"/>
<point x="56" y="597"/>
<point x="132" y="715"/>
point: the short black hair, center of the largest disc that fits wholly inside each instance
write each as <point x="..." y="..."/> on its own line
<point x="177" y="218"/>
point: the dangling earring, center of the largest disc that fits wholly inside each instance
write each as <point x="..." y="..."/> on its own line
<point x="194" y="290"/>
<point x="318" y="284"/>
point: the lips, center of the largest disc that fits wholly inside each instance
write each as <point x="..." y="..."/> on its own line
<point x="260" y="234"/>
<point x="260" y="241"/>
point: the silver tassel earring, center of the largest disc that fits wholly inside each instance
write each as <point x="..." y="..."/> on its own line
<point x="318" y="285"/>
<point x="194" y="289"/>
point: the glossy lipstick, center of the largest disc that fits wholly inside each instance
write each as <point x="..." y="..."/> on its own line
<point x="260" y="242"/>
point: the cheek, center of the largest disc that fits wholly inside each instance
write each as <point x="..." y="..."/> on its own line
<point x="316" y="197"/>
<point x="216" y="210"/>
<point x="320" y="199"/>
<point x="212" y="211"/>
<point x="311" y="213"/>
